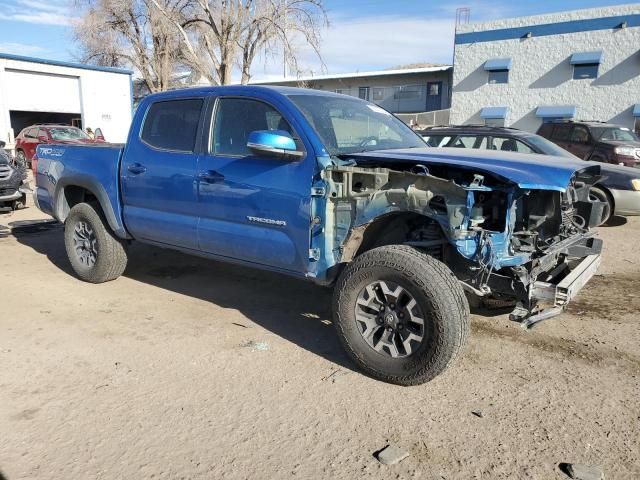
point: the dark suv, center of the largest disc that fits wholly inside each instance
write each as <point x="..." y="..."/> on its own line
<point x="600" y="142"/>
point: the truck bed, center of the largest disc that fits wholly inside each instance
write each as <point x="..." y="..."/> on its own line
<point x="95" y="168"/>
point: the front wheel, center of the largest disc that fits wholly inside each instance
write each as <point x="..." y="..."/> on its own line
<point x="598" y="195"/>
<point x="401" y="315"/>
<point x="95" y="253"/>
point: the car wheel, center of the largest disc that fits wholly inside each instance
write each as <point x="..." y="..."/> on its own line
<point x="401" y="315"/>
<point x="21" y="159"/>
<point x="95" y="253"/>
<point x="598" y="195"/>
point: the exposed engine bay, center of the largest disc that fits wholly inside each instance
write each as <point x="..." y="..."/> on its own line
<point x="502" y="242"/>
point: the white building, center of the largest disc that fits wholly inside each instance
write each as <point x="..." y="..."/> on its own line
<point x="34" y="90"/>
<point x="582" y="64"/>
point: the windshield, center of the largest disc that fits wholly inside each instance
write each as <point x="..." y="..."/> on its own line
<point x="548" y="148"/>
<point x="67" y="133"/>
<point x="348" y="125"/>
<point x="615" y="134"/>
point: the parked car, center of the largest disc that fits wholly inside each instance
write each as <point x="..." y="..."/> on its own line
<point x="337" y="191"/>
<point x="597" y="141"/>
<point x="29" y="138"/>
<point x="619" y="189"/>
<point x="13" y="183"/>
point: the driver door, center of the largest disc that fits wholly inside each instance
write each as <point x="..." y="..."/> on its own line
<point x="252" y="208"/>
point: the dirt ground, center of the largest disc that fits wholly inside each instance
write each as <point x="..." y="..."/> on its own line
<point x="188" y="368"/>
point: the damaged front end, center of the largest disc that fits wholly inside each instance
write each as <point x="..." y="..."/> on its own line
<point x="13" y="184"/>
<point x="531" y="248"/>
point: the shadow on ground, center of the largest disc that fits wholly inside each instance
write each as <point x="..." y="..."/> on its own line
<point x="295" y="310"/>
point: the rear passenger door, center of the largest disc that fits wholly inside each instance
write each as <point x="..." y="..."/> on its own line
<point x="253" y="208"/>
<point x="158" y="174"/>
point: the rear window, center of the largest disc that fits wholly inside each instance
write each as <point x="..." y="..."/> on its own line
<point x="545" y="130"/>
<point x="173" y="124"/>
<point x="561" y="132"/>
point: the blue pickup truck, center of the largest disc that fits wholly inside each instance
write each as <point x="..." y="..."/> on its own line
<point x="337" y="191"/>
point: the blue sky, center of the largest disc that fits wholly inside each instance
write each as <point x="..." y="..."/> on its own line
<point x="363" y="35"/>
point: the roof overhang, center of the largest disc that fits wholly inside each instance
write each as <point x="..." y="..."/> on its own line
<point x="556" y="111"/>
<point x="586" y="58"/>
<point x="492" y="113"/>
<point x="497" y="64"/>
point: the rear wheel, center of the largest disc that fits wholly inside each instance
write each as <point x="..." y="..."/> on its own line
<point x="400" y="314"/>
<point x="598" y="195"/>
<point x="95" y="253"/>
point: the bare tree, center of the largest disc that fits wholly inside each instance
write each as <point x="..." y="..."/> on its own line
<point x="219" y="35"/>
<point x="132" y="33"/>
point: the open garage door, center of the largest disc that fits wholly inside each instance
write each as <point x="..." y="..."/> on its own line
<point x="20" y="120"/>
<point x="38" y="97"/>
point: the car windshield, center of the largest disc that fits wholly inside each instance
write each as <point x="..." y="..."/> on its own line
<point x="615" y="134"/>
<point x="348" y="125"/>
<point x="67" y="133"/>
<point x="547" y="147"/>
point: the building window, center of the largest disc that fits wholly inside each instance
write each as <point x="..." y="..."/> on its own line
<point x="407" y="92"/>
<point x="363" y="93"/>
<point x="498" y="76"/>
<point x="339" y="90"/>
<point x="434" y="88"/>
<point x="585" y="71"/>
<point x="378" y="94"/>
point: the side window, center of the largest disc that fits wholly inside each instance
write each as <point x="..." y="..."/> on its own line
<point x="173" y="124"/>
<point x="561" y="133"/>
<point x="31" y="133"/>
<point x="236" y="118"/>
<point x="579" y="134"/>
<point x="506" y="144"/>
<point x="470" y="141"/>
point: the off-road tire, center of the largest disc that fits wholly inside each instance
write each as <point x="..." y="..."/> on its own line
<point x="439" y="296"/>
<point x="602" y="196"/>
<point x="111" y="257"/>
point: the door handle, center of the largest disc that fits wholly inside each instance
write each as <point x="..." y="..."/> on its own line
<point x="210" y="176"/>
<point x="137" y="168"/>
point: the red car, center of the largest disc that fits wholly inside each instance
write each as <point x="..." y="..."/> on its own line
<point x="29" y="139"/>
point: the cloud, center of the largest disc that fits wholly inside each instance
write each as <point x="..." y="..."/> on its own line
<point x="372" y="43"/>
<point x="37" y="12"/>
<point x="19" y="48"/>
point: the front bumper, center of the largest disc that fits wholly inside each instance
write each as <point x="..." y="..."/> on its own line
<point x="559" y="295"/>
<point x="557" y="278"/>
<point x="17" y="195"/>
<point x="626" y="202"/>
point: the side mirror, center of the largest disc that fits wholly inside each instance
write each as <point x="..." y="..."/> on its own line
<point x="43" y="139"/>
<point x="99" y="135"/>
<point x="273" y="144"/>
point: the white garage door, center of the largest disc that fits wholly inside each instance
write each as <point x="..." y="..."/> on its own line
<point x="42" y="92"/>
